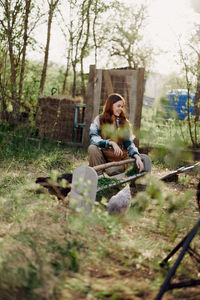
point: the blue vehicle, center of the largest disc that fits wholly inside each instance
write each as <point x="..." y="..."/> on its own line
<point x="178" y="102"/>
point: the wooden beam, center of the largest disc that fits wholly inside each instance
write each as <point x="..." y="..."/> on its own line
<point x="113" y="164"/>
<point x="108" y="82"/>
<point x="125" y="72"/>
<point x="139" y="103"/>
<point x="89" y="105"/>
<point x="133" y="98"/>
<point x="97" y="93"/>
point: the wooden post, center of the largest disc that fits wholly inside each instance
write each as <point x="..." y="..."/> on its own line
<point x="89" y="105"/>
<point x="139" y="103"/>
<point x="92" y="101"/>
<point x="97" y="93"/>
<point x="133" y="98"/>
<point x="108" y="82"/>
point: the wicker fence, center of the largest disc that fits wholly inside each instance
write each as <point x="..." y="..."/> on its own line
<point x="55" y="117"/>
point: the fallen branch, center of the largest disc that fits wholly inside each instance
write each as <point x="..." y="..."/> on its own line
<point x="113" y="164"/>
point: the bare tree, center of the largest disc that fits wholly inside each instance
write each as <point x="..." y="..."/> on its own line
<point x="3" y="68"/>
<point x="14" y="31"/>
<point x="81" y="36"/>
<point x="16" y="28"/>
<point x="190" y="60"/>
<point x="76" y="36"/>
<point x="64" y="86"/>
<point x="195" y="46"/>
<point x="125" y="35"/>
<point x="24" y="47"/>
<point x="98" y="8"/>
<point x="85" y="45"/>
<point x="8" y="22"/>
<point x="52" y="6"/>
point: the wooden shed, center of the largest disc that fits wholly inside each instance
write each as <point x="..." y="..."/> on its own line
<point x="127" y="82"/>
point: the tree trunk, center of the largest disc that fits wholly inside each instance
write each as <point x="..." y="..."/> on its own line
<point x="74" y="80"/>
<point x="25" y="39"/>
<point x="83" y="92"/>
<point x="83" y="49"/>
<point x="75" y="59"/>
<point x="94" y="32"/>
<point x="197" y="94"/>
<point x="197" y="103"/>
<point x="64" y="87"/>
<point x="4" y="113"/>
<point x="52" y="6"/>
<point x="13" y="66"/>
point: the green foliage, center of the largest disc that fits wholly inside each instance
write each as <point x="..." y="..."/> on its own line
<point x="173" y="156"/>
<point x="104" y="181"/>
<point x="133" y="170"/>
<point x="171" y="139"/>
<point x="162" y="206"/>
<point x="107" y="193"/>
<point x="37" y="258"/>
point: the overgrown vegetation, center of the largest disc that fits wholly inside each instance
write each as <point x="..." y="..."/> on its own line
<point x="170" y="133"/>
<point x="50" y="251"/>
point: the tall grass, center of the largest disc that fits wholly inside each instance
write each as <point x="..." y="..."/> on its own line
<point x="157" y="130"/>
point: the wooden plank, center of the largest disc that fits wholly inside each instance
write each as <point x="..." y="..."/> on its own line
<point x="113" y="164"/>
<point x="97" y="93"/>
<point x="139" y="103"/>
<point x="84" y="188"/>
<point x="173" y="176"/>
<point x="89" y="105"/>
<point x="107" y="81"/>
<point x="133" y="98"/>
<point x="125" y="72"/>
<point x="127" y="92"/>
<point x="132" y="178"/>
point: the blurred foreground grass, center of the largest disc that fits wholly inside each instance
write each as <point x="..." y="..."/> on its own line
<point x="49" y="251"/>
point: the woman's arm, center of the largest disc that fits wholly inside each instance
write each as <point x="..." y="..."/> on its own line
<point x="139" y="162"/>
<point x="96" y="139"/>
<point x="132" y="149"/>
<point x="128" y="141"/>
<point x="116" y="148"/>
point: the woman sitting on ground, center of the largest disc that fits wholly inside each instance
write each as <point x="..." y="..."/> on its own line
<point x="111" y="138"/>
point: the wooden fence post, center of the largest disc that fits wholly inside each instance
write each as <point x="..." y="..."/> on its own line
<point x="92" y="101"/>
<point x="139" y="103"/>
<point x="97" y="93"/>
<point x="89" y="105"/>
<point x="133" y="98"/>
<point x="108" y="82"/>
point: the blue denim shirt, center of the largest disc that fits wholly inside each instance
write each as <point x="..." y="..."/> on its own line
<point x="96" y="138"/>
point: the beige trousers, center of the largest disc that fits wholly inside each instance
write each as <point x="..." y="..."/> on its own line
<point x="96" y="157"/>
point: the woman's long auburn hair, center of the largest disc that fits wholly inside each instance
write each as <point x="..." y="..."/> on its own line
<point x="106" y="116"/>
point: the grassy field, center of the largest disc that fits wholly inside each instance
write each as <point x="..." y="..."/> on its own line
<point x="49" y="251"/>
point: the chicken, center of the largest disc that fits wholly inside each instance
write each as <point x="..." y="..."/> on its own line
<point x="120" y="202"/>
<point x="54" y="189"/>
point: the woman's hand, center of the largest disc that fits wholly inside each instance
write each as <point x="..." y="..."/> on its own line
<point x="139" y="162"/>
<point x="116" y="148"/>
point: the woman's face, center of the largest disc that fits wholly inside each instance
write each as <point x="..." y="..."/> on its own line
<point x="117" y="108"/>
